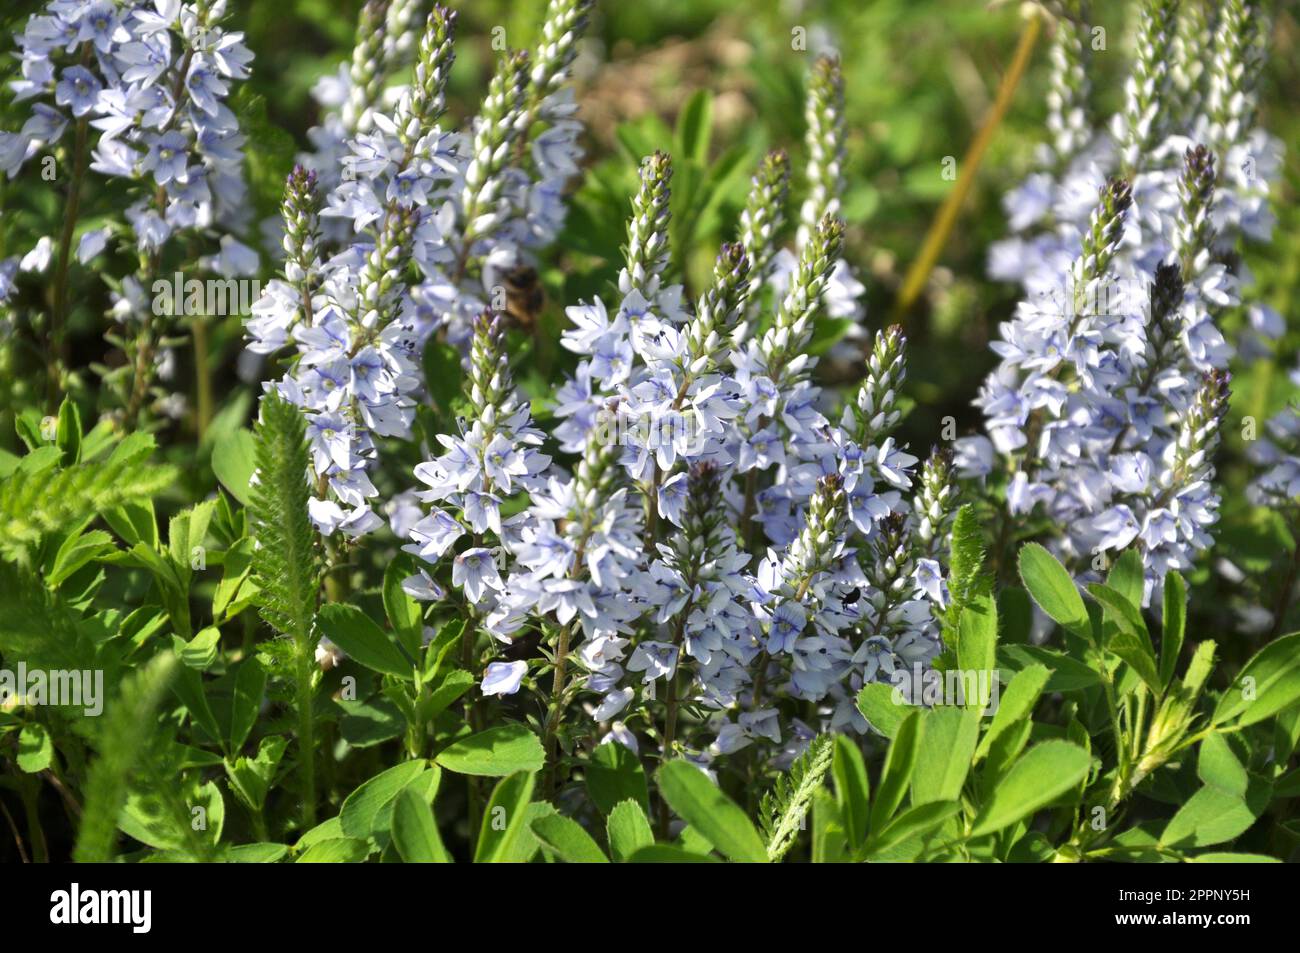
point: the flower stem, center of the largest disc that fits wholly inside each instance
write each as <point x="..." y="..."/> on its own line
<point x="304" y="663"/>
<point x="58" y="351"/>
<point x="551" y="739"/>
<point x="943" y="223"/>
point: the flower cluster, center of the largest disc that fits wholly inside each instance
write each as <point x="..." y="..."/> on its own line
<point x="721" y="541"/>
<point x="137" y="91"/>
<point x="397" y="229"/>
<point x="1126" y="253"/>
<point x="152" y="79"/>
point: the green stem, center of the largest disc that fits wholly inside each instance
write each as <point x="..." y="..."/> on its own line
<point x="58" y="356"/>
<point x="551" y="739"/>
<point x="304" y="669"/>
<point x="467" y="662"/>
<point x="202" y="377"/>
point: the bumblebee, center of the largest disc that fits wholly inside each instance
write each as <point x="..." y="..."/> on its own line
<point x="524" y="297"/>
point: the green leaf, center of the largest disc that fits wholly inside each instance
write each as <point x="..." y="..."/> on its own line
<point x="614" y="774"/>
<point x="36" y="503"/>
<point x="234" y="460"/>
<point x="404" y="613"/>
<point x="1044" y="773"/>
<point x="566" y="838"/>
<point x="1015" y="705"/>
<point x="338" y="850"/>
<point x="364" y="642"/>
<point x="948" y="738"/>
<point x="852" y="789"/>
<point x="369" y="723"/>
<point x="977" y="635"/>
<point x="1218" y="766"/>
<point x="122" y="735"/>
<point x="914" y="822"/>
<point x="362" y="814"/>
<point x="250" y="685"/>
<point x="256" y="853"/>
<point x="668" y="854"/>
<point x="966" y="556"/>
<point x="414" y="832"/>
<point x="1210" y="816"/>
<point x="695" y="127"/>
<point x="1269" y="683"/>
<point x="1067" y="673"/>
<point x="497" y="752"/>
<point x="78" y="550"/>
<point x="35" y="749"/>
<point x="1174" y="626"/>
<point x="1127" y="576"/>
<point x="68" y="436"/>
<point x="897" y="771"/>
<point x="782" y="811"/>
<point x="1129" y="639"/>
<point x="881" y="708"/>
<point x="628" y="829"/>
<point x="287" y="567"/>
<point x="250" y="778"/>
<point x="286" y="560"/>
<point x="134" y="521"/>
<point x="716" y="817"/>
<point x="1053" y="589"/>
<point x="187" y="685"/>
<point x="505" y="818"/>
<point x="456" y="683"/>
<point x="200" y="652"/>
<point x="186" y="532"/>
<point x="1227" y="857"/>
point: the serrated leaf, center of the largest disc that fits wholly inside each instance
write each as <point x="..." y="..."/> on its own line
<point x="614" y="774"/>
<point x="880" y="706"/>
<point x="628" y="829"/>
<point x="1052" y="588"/>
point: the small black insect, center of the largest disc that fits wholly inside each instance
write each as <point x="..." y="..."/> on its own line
<point x="851" y="597"/>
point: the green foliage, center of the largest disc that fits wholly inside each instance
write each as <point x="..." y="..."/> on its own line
<point x="497" y="752"/>
<point x="966" y="559"/>
<point x="123" y="734"/>
<point x="286" y="560"/>
<point x="783" y="809"/>
<point x="286" y="565"/>
<point x="713" y="815"/>
<point x="41" y="498"/>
